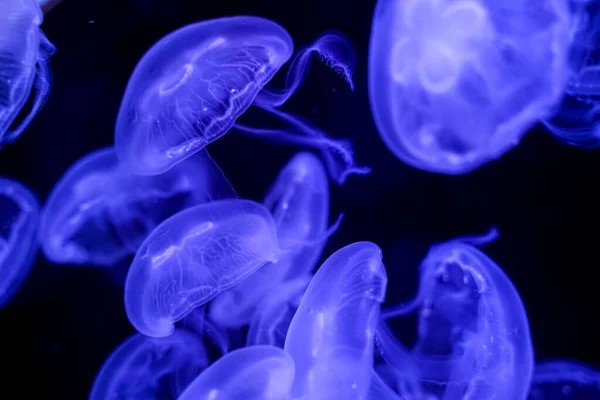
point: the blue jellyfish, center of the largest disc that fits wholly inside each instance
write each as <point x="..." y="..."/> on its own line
<point x="99" y="213"/>
<point x="473" y="337"/>
<point x="455" y="84"/>
<point x="331" y="336"/>
<point x="19" y="218"/>
<point x="271" y="319"/>
<point x="192" y="257"/>
<point x="299" y="203"/>
<point x="564" y="380"/>
<point x="151" y="368"/>
<point x="192" y="85"/>
<point x="576" y="121"/>
<point x="24" y="53"/>
<point x="251" y="373"/>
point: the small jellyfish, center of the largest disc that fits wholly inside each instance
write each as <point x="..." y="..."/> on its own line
<point x="331" y="336"/>
<point x="299" y="203"/>
<point x="456" y="84"/>
<point x="214" y="71"/>
<point x="564" y="380"/>
<point x="99" y="213"/>
<point x="150" y="368"/>
<point x="473" y="335"/>
<point x="273" y="315"/>
<point x="192" y="257"/>
<point x="250" y="373"/>
<point x="19" y="218"/>
<point x="25" y="79"/>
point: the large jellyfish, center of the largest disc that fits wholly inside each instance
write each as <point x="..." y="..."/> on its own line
<point x="332" y="334"/>
<point x="192" y="257"/>
<point x="251" y="373"/>
<point x="192" y="85"/>
<point x="19" y="218"/>
<point x="150" y="368"/>
<point x="99" y="213"/>
<point x="456" y="83"/>
<point x="25" y="73"/>
<point x="473" y="336"/>
<point x="564" y="380"/>
<point x="299" y="203"/>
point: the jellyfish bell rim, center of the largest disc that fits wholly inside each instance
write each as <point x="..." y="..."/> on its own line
<point x="279" y="39"/>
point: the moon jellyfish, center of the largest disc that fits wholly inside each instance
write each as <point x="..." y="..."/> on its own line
<point x="150" y="368"/>
<point x="192" y="257"/>
<point x="299" y="203"/>
<point x="99" y="213"/>
<point x="473" y="334"/>
<point x="568" y="380"/>
<point x="273" y="315"/>
<point x="25" y="79"/>
<point x="331" y="335"/>
<point x="250" y="373"/>
<point x="455" y="84"/>
<point x="191" y="86"/>
<point x="19" y="217"/>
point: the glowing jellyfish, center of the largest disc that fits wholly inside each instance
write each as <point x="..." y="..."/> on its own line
<point x="150" y="368"/>
<point x="331" y="335"/>
<point x="473" y="337"/>
<point x="455" y="84"/>
<point x="251" y="373"/>
<point x="564" y="380"/>
<point x="192" y="257"/>
<point x="25" y="78"/>
<point x="299" y="203"/>
<point x="273" y="315"/>
<point x="99" y="213"/>
<point x="19" y="218"/>
<point x="192" y="85"/>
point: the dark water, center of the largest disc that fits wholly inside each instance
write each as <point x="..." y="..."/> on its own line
<point x="543" y="195"/>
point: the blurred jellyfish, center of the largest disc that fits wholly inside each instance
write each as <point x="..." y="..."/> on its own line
<point x="299" y="203"/>
<point x="19" y="218"/>
<point x="455" y="84"/>
<point x="473" y="336"/>
<point x="99" y="213"/>
<point x="214" y="70"/>
<point x="25" y="77"/>
<point x="564" y="380"/>
<point x="273" y="315"/>
<point x="577" y="120"/>
<point x="331" y="335"/>
<point x="150" y="368"/>
<point x="192" y="257"/>
<point x="251" y="373"/>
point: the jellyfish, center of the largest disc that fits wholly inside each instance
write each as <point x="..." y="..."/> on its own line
<point x="456" y="84"/>
<point x="191" y="86"/>
<point x="25" y="80"/>
<point x="473" y="335"/>
<point x="299" y="203"/>
<point x="192" y="257"/>
<point x="99" y="213"/>
<point x="564" y="379"/>
<point x="19" y="218"/>
<point x="250" y="373"/>
<point x="331" y="335"/>
<point x="151" y="368"/>
<point x="271" y="319"/>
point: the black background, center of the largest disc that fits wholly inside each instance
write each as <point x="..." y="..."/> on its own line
<point x="64" y="322"/>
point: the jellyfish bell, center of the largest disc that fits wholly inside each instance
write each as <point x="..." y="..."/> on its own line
<point x="457" y="92"/>
<point x="473" y="336"/>
<point x="19" y="219"/>
<point x="26" y="79"/>
<point x="564" y="379"/>
<point x="192" y="257"/>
